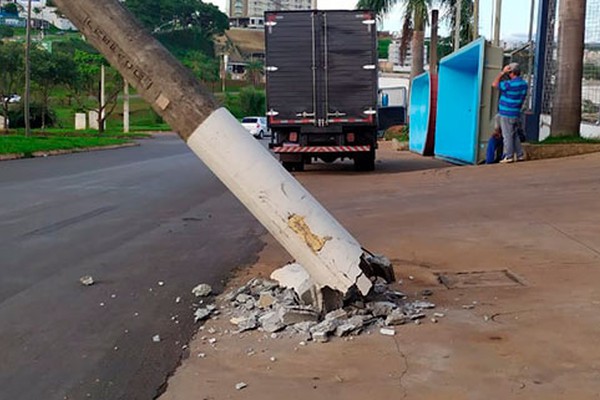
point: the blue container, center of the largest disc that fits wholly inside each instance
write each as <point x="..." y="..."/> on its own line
<point x="466" y="102"/>
<point x="423" y="104"/>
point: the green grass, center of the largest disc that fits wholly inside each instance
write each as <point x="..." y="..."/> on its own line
<point x="62" y="132"/>
<point x="568" y="140"/>
<point x="141" y="116"/>
<point x="11" y="144"/>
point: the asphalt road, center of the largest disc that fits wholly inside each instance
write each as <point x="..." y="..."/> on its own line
<point x="131" y="218"/>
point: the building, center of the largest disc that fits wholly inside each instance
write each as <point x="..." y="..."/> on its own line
<point x="256" y="8"/>
<point x="42" y="15"/>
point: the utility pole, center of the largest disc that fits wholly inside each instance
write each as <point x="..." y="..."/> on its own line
<point x="433" y="42"/>
<point x="125" y="106"/>
<point x="475" y="19"/>
<point x="457" y="25"/>
<point x="28" y="71"/>
<point x="312" y="236"/>
<point x="497" y="19"/>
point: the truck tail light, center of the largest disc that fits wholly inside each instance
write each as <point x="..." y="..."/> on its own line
<point x="258" y="126"/>
<point x="350" y="137"/>
<point x="293" y="137"/>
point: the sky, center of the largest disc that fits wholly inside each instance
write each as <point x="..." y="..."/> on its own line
<point x="515" y="16"/>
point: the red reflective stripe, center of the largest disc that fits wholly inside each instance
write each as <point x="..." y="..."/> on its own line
<point x="292" y="121"/>
<point x="321" y="149"/>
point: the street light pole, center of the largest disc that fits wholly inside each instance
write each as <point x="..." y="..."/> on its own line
<point x="457" y="25"/>
<point x="28" y="71"/>
<point x="497" y="22"/>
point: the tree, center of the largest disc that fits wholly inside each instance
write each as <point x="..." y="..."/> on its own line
<point x="49" y="70"/>
<point x="204" y="67"/>
<point x="11" y="74"/>
<point x="413" y="26"/>
<point x="566" y="111"/>
<point x="466" y="19"/>
<point x="6" y="31"/>
<point x="10" y="8"/>
<point x="88" y="67"/>
<point x="414" y="21"/>
<point x="254" y="72"/>
<point x="168" y="15"/>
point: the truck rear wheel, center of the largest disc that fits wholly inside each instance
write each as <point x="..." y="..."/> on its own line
<point x="365" y="161"/>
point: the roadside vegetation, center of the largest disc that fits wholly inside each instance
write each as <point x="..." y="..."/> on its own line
<point x="66" y="79"/>
<point x="18" y="144"/>
<point x="569" y="140"/>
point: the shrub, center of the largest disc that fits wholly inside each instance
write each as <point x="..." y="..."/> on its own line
<point x="17" y="116"/>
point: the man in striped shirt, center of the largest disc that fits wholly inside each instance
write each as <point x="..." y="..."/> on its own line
<point x="512" y="95"/>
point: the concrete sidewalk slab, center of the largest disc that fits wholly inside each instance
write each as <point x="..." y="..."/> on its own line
<point x="537" y="339"/>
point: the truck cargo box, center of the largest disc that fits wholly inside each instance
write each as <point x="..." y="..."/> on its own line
<point x="321" y="69"/>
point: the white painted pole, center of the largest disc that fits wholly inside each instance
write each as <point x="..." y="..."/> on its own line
<point x="314" y="5"/>
<point x="497" y="22"/>
<point x="102" y="95"/>
<point x="125" y="106"/>
<point x="284" y="207"/>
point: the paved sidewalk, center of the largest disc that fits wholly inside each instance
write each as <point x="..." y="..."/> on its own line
<point x="536" y="338"/>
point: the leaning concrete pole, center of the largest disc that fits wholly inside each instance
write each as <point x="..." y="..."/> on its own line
<point x="286" y="209"/>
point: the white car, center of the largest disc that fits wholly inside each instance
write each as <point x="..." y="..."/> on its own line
<point x="257" y="126"/>
<point x="14" y="98"/>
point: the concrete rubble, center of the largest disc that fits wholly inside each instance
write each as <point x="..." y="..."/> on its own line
<point x="86" y="280"/>
<point x="202" y="290"/>
<point x="288" y="307"/>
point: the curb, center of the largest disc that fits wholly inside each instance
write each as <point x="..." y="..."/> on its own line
<point x="48" y="153"/>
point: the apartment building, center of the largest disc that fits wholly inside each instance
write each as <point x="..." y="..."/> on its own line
<point x="256" y="8"/>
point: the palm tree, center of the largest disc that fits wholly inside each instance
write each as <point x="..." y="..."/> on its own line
<point x="254" y="72"/>
<point x="413" y="26"/>
<point x="566" y="111"/>
<point x="414" y="21"/>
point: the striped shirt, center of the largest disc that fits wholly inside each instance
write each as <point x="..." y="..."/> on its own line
<point x="512" y="96"/>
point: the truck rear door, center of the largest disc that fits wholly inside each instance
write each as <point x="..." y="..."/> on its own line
<point x="350" y="66"/>
<point x="291" y="66"/>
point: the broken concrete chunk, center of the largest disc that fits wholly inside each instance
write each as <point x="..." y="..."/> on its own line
<point x="348" y="326"/>
<point x="416" y="316"/>
<point x="156" y="338"/>
<point x="202" y="290"/>
<point x="422" y="304"/>
<point x="381" y="308"/>
<point x="294" y="315"/>
<point x="86" y="280"/>
<point x="378" y="265"/>
<point x="340" y="313"/>
<point x="201" y="314"/>
<point x="387" y="331"/>
<point x="397" y="317"/>
<point x="243" y="298"/>
<point x="302" y="329"/>
<point x="295" y="277"/>
<point x="266" y="300"/>
<point x="245" y="323"/>
<point x="241" y="385"/>
<point x="320" y="337"/>
<point x="327" y="326"/>
<point x="271" y="322"/>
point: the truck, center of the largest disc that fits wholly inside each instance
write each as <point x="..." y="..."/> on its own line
<point x="321" y="86"/>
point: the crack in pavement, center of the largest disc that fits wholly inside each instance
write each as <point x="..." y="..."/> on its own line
<point x="405" y="371"/>
<point x="573" y="238"/>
